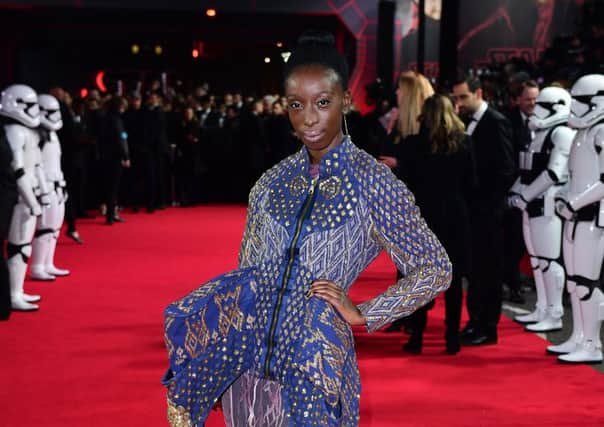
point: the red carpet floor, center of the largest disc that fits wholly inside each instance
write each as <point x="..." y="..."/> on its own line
<point x="93" y="355"/>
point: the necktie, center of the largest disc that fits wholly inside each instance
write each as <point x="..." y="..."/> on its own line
<point x="526" y="134"/>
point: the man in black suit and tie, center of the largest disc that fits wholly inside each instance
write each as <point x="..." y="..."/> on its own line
<point x="525" y="97"/>
<point x="493" y="155"/>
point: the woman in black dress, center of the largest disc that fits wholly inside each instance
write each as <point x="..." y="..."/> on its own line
<point x="437" y="166"/>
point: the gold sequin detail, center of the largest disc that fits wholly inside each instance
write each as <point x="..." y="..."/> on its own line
<point x="330" y="187"/>
<point x="298" y="185"/>
<point x="178" y="416"/>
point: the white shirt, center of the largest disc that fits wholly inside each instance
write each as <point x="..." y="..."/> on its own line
<point x="525" y="122"/>
<point x="482" y="108"/>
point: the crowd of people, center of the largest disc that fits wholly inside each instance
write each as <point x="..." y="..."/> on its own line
<point x="149" y="150"/>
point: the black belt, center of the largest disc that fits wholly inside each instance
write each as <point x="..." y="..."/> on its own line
<point x="588" y="213"/>
<point x="535" y="208"/>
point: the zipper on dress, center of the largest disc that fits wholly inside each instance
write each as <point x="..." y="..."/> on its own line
<point x="291" y="252"/>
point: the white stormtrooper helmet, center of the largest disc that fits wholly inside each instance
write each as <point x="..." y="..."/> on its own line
<point x="50" y="112"/>
<point x="587" y="106"/>
<point x="20" y="102"/>
<point x="552" y="108"/>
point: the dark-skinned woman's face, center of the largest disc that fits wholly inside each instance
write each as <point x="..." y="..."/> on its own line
<point x="315" y="104"/>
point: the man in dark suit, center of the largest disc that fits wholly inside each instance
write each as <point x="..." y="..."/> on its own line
<point x="524" y="95"/>
<point x="493" y="156"/>
<point x="154" y="153"/>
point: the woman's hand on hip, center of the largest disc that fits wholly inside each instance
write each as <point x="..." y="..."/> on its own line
<point x="337" y="297"/>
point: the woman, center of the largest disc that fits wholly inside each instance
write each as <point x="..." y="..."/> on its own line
<point x="437" y="166"/>
<point x="273" y="338"/>
<point x="413" y="90"/>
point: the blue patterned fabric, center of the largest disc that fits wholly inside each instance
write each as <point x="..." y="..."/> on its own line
<point x="258" y="319"/>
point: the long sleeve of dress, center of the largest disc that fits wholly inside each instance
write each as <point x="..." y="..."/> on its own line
<point x="398" y="227"/>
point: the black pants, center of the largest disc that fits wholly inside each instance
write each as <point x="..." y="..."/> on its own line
<point x="145" y="193"/>
<point x="485" y="285"/>
<point x="113" y="172"/>
<point x="453" y="298"/>
<point x="513" y="247"/>
<point x="4" y="285"/>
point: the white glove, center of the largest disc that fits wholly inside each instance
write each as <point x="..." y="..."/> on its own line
<point x="517" y="201"/>
<point x="36" y="210"/>
<point x="44" y="200"/>
<point x="564" y="209"/>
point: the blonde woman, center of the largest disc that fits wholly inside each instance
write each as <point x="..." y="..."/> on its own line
<point x="413" y="89"/>
<point x="437" y="167"/>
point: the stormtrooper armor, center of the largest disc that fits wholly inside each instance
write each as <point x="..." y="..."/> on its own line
<point x="49" y="223"/>
<point x="584" y="230"/>
<point x="21" y="115"/>
<point x="543" y="170"/>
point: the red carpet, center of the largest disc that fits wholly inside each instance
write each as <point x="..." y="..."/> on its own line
<point x="93" y="355"/>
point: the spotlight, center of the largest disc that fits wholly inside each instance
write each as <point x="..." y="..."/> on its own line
<point x="135" y="49"/>
<point x="211" y="13"/>
<point x="267" y="60"/>
<point x="195" y="53"/>
<point x="158" y="50"/>
<point x="83" y="93"/>
<point x="285" y="56"/>
<point x="279" y="44"/>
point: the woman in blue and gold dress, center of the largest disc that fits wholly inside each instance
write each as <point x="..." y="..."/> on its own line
<point x="272" y="339"/>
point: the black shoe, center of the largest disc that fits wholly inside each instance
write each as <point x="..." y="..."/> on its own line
<point x="516" y="297"/>
<point x="453" y="346"/>
<point x="452" y="342"/>
<point x="479" y="339"/>
<point x="74" y="235"/>
<point x="413" y="346"/>
<point x="118" y="219"/>
<point x="469" y="330"/>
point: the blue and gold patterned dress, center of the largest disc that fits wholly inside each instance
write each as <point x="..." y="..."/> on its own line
<point x="257" y="322"/>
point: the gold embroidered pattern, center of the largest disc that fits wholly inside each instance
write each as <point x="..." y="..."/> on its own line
<point x="230" y="313"/>
<point x="178" y="416"/>
<point x="298" y="186"/>
<point x="197" y="337"/>
<point x="330" y="187"/>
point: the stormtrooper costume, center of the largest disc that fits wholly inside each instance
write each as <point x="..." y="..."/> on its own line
<point x="19" y="107"/>
<point x="583" y="208"/>
<point x="543" y="170"/>
<point x="50" y="222"/>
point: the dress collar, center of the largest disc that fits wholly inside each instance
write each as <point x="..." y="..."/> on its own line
<point x="331" y="162"/>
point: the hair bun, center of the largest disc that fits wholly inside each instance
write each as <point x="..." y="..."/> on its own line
<point x="316" y="38"/>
